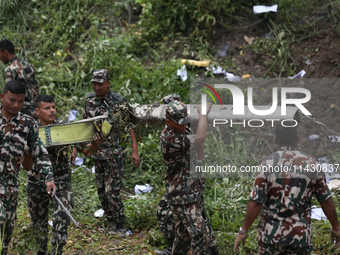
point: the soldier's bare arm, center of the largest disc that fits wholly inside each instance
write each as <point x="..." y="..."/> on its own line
<point x="91" y="148"/>
<point x="253" y="210"/>
<point x="135" y="156"/>
<point x="201" y="132"/>
<point x="330" y="212"/>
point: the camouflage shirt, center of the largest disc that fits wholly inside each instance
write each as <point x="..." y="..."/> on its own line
<point x="96" y="106"/>
<point x="182" y="183"/>
<point x="17" y="135"/>
<point x="286" y="194"/>
<point x="61" y="168"/>
<point x="19" y="69"/>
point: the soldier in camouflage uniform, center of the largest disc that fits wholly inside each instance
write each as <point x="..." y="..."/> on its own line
<point x="165" y="217"/>
<point x="19" y="69"/>
<point x="108" y="157"/>
<point x="37" y="200"/>
<point x="19" y="139"/>
<point x="183" y="185"/>
<point x="285" y="195"/>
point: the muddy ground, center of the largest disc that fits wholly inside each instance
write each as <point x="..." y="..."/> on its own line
<point x="318" y="55"/>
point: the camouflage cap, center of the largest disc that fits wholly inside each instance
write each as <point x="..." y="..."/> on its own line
<point x="100" y="75"/>
<point x="170" y="98"/>
<point x="177" y="111"/>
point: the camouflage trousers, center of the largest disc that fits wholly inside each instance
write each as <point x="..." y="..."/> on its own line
<point x="8" y="216"/>
<point x="192" y="229"/>
<point x="38" y="205"/>
<point x="165" y="218"/>
<point x="272" y="249"/>
<point x="109" y="175"/>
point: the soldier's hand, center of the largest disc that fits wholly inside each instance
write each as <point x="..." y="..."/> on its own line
<point x="98" y="138"/>
<point x="335" y="236"/>
<point x="73" y="156"/>
<point x="239" y="238"/>
<point x="208" y="108"/>
<point x="51" y="189"/>
<point x="136" y="159"/>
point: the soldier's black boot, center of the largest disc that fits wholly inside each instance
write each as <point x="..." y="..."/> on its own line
<point x="168" y="251"/>
<point x="214" y="251"/>
<point x="120" y="230"/>
<point x="57" y="249"/>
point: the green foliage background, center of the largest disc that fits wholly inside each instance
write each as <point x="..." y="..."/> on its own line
<point x="140" y="43"/>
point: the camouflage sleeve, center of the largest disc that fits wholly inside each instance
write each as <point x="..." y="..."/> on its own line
<point x="322" y="191"/>
<point x="42" y="160"/>
<point x="260" y="190"/>
<point x="10" y="76"/>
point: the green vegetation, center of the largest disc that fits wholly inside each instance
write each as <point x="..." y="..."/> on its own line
<point x="141" y="42"/>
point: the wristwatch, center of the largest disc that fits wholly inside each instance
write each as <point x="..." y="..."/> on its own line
<point x="243" y="232"/>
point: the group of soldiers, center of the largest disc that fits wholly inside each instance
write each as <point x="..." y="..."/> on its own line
<point x="285" y="198"/>
<point x="49" y="173"/>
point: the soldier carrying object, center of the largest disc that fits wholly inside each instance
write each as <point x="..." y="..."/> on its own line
<point x="19" y="69"/>
<point x="286" y="197"/>
<point x="37" y="200"/>
<point x="183" y="185"/>
<point x="108" y="157"/>
<point x="165" y="217"/>
<point x="19" y="138"/>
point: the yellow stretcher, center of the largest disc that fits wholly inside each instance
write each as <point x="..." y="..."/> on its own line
<point x="68" y="133"/>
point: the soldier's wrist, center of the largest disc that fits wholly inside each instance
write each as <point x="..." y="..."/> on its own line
<point x="243" y="232"/>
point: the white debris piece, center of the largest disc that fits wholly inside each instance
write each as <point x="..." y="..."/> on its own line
<point x="129" y="232"/>
<point x="217" y="70"/>
<point x="50" y="223"/>
<point x="334" y="138"/>
<point x="334" y="185"/>
<point x="99" y="213"/>
<point x="299" y="75"/>
<point x="73" y="115"/>
<point x="262" y="8"/>
<point x="183" y="73"/>
<point x="232" y="77"/>
<point x="93" y="169"/>
<point x="318" y="214"/>
<point x="313" y="137"/>
<point x="79" y="161"/>
<point x="140" y="189"/>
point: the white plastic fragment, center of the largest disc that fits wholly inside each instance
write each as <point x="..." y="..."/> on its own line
<point x="299" y="75"/>
<point x="334" y="138"/>
<point x="129" y="232"/>
<point x="50" y="223"/>
<point x="217" y="70"/>
<point x="79" y="161"/>
<point x="262" y="8"/>
<point x="318" y="214"/>
<point x="232" y="77"/>
<point x="140" y="189"/>
<point x="99" y="213"/>
<point x="183" y="73"/>
<point x="73" y="115"/>
<point x="334" y="185"/>
<point x="313" y="137"/>
<point x="229" y="76"/>
<point x="93" y="169"/>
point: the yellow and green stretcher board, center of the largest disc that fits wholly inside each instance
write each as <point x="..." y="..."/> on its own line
<point x="68" y="133"/>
